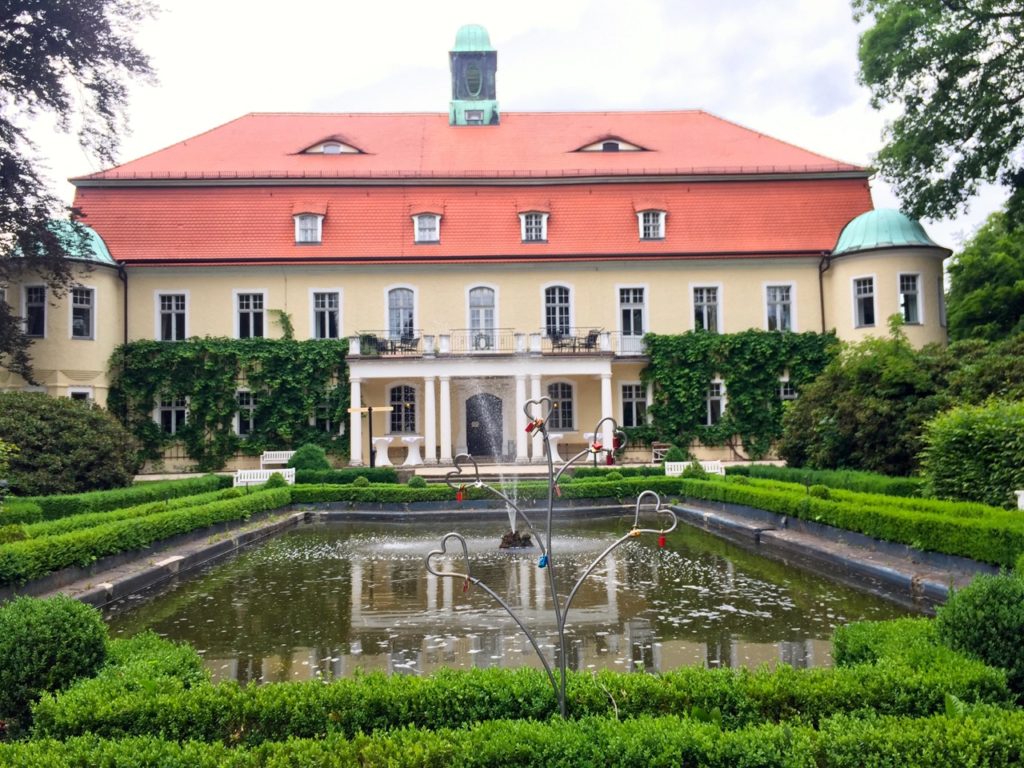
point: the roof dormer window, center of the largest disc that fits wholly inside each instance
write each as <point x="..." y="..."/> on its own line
<point x="612" y="144"/>
<point x="652" y="224"/>
<point x="534" y="226"/>
<point x="332" y="147"/>
<point x="427" y="228"/>
<point x="308" y="228"/>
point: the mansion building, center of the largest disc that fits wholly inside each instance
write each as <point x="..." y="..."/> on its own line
<point x="479" y="258"/>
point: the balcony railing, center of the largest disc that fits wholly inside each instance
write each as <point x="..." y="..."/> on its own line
<point x="495" y="341"/>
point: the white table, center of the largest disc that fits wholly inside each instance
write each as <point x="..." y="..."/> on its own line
<point x="381" y="444"/>
<point x="413" y="458"/>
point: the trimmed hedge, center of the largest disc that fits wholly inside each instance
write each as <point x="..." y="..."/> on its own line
<point x="582" y="472"/>
<point x="14" y="511"/>
<point x="994" y="539"/>
<point x="851" y="480"/>
<point x="90" y="519"/>
<point x="984" y="736"/>
<point x="345" y="476"/>
<point x="54" y="507"/>
<point x="22" y="561"/>
<point x="129" y="699"/>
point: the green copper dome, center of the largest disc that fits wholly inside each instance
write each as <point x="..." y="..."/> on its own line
<point x="472" y="37"/>
<point x="93" y="248"/>
<point x="882" y="228"/>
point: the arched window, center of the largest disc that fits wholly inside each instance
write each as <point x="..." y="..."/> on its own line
<point x="556" y="311"/>
<point x="481" y="317"/>
<point x="561" y="406"/>
<point x="403" y="409"/>
<point x="401" y="305"/>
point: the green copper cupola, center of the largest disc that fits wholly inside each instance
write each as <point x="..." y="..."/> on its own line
<point x="474" y="64"/>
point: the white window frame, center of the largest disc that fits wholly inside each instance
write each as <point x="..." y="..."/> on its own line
<point x="642" y="390"/>
<point x="544" y="305"/>
<point x="787" y="391"/>
<point x="87" y="391"/>
<point x="92" y="313"/>
<point x="417" y="234"/>
<point x="250" y="407"/>
<point x="24" y="309"/>
<point x="660" y="223"/>
<point x="559" y="426"/>
<point x="543" y="226"/>
<point x="236" y="294"/>
<point x="302" y="231"/>
<point x="387" y="308"/>
<point x="635" y="345"/>
<point x="417" y="399"/>
<point x="708" y="398"/>
<point x="492" y="333"/>
<point x="158" y="312"/>
<point x="856" y="304"/>
<point x="719" y="305"/>
<point x="917" y="297"/>
<point x="313" y="312"/>
<point x="159" y="408"/>
<point x="792" y="303"/>
<point x="941" y="283"/>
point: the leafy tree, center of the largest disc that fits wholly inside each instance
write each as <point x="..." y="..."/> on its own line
<point x="986" y="290"/>
<point x="64" y="446"/>
<point x="867" y="408"/>
<point x="957" y="69"/>
<point x="69" y="59"/>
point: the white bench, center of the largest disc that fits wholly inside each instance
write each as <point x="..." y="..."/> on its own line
<point x="675" y="468"/>
<point x="275" y="457"/>
<point x="260" y="476"/>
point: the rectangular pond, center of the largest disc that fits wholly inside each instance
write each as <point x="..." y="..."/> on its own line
<point x="330" y="599"/>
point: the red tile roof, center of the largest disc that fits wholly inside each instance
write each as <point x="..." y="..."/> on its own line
<point x="422" y="146"/>
<point x="209" y="223"/>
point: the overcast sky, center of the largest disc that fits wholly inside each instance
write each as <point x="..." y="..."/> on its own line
<point x="787" y="68"/>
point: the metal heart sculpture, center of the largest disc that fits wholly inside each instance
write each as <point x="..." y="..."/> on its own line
<point x="544" y="405"/>
<point x="452" y="478"/>
<point x="444" y="551"/>
<point x="660" y="513"/>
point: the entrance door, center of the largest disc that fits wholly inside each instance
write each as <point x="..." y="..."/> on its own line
<point x="483" y="425"/>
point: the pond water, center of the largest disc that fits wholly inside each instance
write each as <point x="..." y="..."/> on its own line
<point x="329" y="599"/>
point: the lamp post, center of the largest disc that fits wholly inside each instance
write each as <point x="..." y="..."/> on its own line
<point x="368" y="410"/>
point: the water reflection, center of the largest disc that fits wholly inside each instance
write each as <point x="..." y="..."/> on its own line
<point x="326" y="600"/>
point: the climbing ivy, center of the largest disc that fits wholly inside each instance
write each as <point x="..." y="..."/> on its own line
<point x="749" y="363"/>
<point x="289" y="378"/>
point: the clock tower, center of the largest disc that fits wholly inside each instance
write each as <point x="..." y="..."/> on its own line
<point x="474" y="64"/>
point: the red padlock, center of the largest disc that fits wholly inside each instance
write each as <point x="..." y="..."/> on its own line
<point x="530" y="427"/>
<point x="609" y="459"/>
<point x="458" y="494"/>
<point x="661" y="540"/>
<point x="616" y="442"/>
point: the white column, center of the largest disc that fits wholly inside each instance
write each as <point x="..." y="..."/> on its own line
<point x="446" y="420"/>
<point x="430" y="421"/>
<point x="538" y="445"/>
<point x="606" y="409"/>
<point x="522" y="441"/>
<point x="355" y="423"/>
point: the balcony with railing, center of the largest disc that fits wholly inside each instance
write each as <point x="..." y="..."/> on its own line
<point x="494" y="341"/>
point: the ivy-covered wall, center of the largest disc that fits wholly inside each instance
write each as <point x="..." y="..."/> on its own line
<point x="289" y="378"/>
<point x="749" y="364"/>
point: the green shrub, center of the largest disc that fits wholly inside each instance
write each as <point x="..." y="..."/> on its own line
<point x="694" y="471"/>
<point x="416" y="481"/>
<point x="675" y="453"/>
<point x="848" y="479"/>
<point x="986" y="620"/>
<point x="361" y="482"/>
<point x="276" y="480"/>
<point x="613" y="476"/>
<point x="22" y="561"/>
<point x="580" y="473"/>
<point x="976" y="453"/>
<point x="14" y="532"/>
<point x="819" y="492"/>
<point x="64" y="446"/>
<point x="310" y="456"/>
<point x="20" y="511"/>
<point x="54" y="507"/>
<point x="44" y="646"/>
